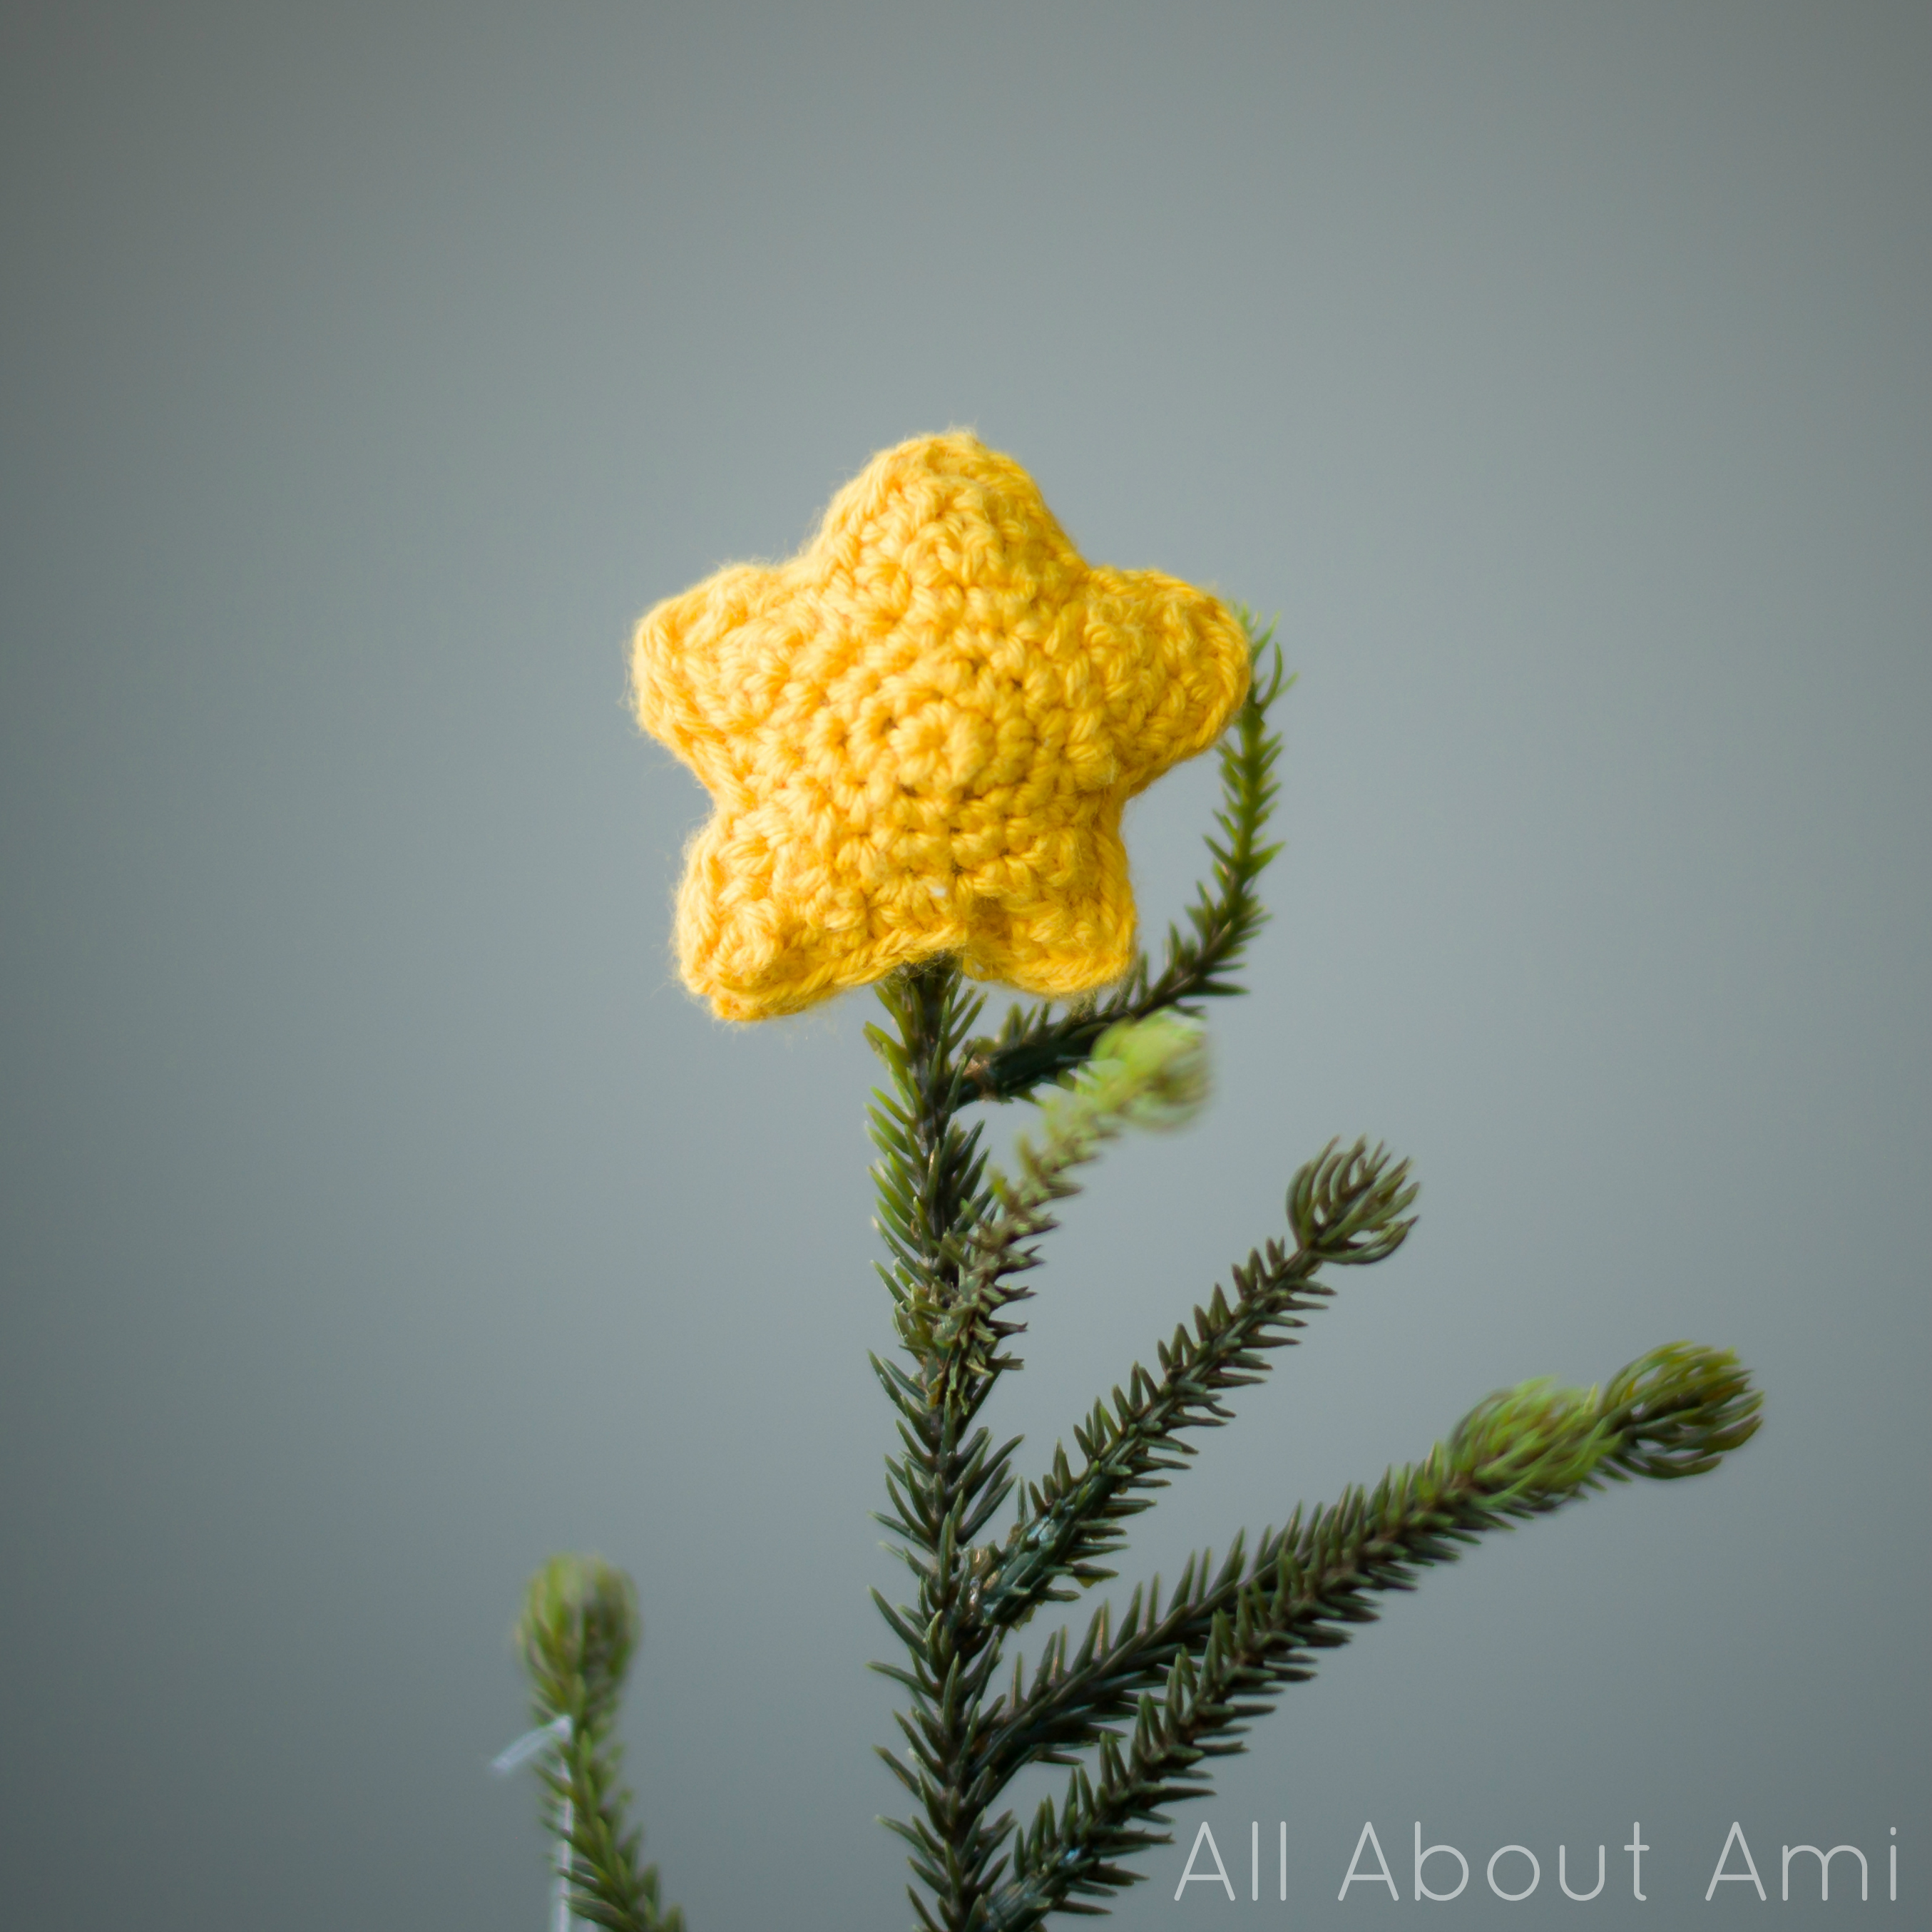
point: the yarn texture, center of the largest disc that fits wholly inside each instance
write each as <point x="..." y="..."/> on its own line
<point x="920" y="734"/>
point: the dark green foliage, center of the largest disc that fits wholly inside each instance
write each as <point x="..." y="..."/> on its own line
<point x="1145" y="1704"/>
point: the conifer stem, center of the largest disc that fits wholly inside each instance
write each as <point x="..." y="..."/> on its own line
<point x="944" y="1470"/>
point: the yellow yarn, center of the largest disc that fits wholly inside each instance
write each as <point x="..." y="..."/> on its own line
<point x="918" y="733"/>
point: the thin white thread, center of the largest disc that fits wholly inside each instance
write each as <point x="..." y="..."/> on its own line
<point x="555" y="1732"/>
<point x="563" y="1919"/>
<point x="527" y="1746"/>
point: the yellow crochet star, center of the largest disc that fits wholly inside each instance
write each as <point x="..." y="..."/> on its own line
<point x="919" y="734"/>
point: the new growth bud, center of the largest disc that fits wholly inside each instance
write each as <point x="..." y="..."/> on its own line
<point x="1681" y="1409"/>
<point x="1352" y="1208"/>
<point x="1533" y="1443"/>
<point x="579" y="1628"/>
<point x="1678" y="1411"/>
<point x="1152" y="1073"/>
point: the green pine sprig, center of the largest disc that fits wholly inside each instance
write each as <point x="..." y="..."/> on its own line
<point x="578" y="1632"/>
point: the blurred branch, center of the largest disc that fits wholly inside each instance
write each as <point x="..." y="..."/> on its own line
<point x="578" y="1632"/>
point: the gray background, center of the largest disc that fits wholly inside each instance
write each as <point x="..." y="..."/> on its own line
<point x="379" y="1213"/>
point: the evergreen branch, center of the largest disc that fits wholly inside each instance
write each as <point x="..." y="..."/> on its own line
<point x="949" y="1479"/>
<point x="929" y="1177"/>
<point x="1192" y="1681"/>
<point x="1033" y="1045"/>
<point x="1348" y="1208"/>
<point x="955" y="1256"/>
<point x="943" y="1491"/>
<point x="576" y="1637"/>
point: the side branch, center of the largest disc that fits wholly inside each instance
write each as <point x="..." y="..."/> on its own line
<point x="1348" y="1208"/>
<point x="1221" y="1661"/>
<point x="1071" y="1521"/>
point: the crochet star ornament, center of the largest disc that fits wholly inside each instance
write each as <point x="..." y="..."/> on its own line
<point x="920" y="734"/>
